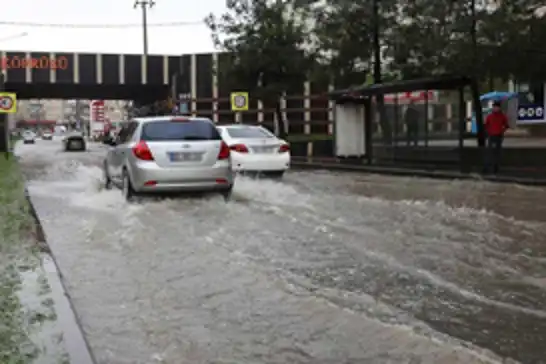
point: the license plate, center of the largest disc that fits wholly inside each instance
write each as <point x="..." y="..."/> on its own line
<point x="263" y="149"/>
<point x="185" y="157"/>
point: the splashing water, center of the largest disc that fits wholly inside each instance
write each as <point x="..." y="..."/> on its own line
<point x="310" y="255"/>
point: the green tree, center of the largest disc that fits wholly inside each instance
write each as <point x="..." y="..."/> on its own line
<point x="345" y="33"/>
<point x="435" y="36"/>
<point x="344" y="43"/>
<point x="514" y="37"/>
<point x="269" y="43"/>
<point x="417" y="45"/>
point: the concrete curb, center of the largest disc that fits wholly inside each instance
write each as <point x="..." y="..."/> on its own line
<point x="79" y="350"/>
<point x="414" y="173"/>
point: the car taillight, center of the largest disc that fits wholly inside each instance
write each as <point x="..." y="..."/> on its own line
<point x="141" y="151"/>
<point x="239" y="148"/>
<point x="284" y="148"/>
<point x="224" y="151"/>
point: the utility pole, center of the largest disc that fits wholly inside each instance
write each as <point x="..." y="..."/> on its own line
<point x="377" y="79"/>
<point x="376" y="44"/>
<point x="473" y="35"/>
<point x="144" y="5"/>
<point x="475" y="74"/>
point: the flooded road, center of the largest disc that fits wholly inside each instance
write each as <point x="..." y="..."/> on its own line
<point x="318" y="268"/>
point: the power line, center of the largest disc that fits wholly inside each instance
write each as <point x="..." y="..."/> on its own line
<point x="99" y="26"/>
<point x="14" y="36"/>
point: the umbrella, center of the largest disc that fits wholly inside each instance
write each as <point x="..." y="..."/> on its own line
<point x="498" y="96"/>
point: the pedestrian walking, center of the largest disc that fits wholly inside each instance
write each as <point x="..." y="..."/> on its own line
<point x="496" y="124"/>
<point x="411" y="119"/>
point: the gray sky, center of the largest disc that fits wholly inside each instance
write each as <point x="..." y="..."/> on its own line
<point x="162" y="40"/>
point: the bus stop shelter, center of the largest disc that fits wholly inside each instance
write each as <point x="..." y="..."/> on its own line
<point x="355" y="109"/>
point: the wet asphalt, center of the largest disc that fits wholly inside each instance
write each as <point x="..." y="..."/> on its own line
<point x="318" y="268"/>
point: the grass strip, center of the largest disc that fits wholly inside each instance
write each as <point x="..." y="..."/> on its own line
<point x="18" y="252"/>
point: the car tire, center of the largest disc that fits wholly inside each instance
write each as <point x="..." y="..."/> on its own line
<point x="226" y="194"/>
<point x="127" y="189"/>
<point x="277" y="175"/>
<point x="107" y="180"/>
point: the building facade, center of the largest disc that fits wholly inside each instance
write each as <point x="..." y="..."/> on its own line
<point x="37" y="113"/>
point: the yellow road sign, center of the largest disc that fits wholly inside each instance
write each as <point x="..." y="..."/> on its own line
<point x="239" y="101"/>
<point x="8" y="102"/>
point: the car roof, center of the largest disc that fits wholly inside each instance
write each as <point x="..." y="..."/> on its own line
<point x="239" y="126"/>
<point x="152" y="119"/>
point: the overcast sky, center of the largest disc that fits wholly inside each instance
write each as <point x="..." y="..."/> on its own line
<point x="161" y="40"/>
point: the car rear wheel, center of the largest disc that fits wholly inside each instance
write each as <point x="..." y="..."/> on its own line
<point x="127" y="187"/>
<point x="226" y="194"/>
<point x="276" y="174"/>
<point x="107" y="180"/>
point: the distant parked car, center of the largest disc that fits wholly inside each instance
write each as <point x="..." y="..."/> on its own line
<point x="47" y="135"/>
<point x="255" y="149"/>
<point x="74" y="141"/>
<point x="169" y="154"/>
<point x="29" y="137"/>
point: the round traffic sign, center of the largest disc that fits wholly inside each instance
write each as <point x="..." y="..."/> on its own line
<point x="239" y="101"/>
<point x="539" y="112"/>
<point x="6" y="103"/>
<point x="530" y="112"/>
<point x="522" y="113"/>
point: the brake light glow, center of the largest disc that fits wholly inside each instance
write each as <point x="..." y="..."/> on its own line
<point x="224" y="151"/>
<point x="239" y="148"/>
<point x="284" y="148"/>
<point x="142" y="152"/>
<point x="150" y="183"/>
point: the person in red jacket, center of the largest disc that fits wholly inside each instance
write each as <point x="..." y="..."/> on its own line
<point x="496" y="124"/>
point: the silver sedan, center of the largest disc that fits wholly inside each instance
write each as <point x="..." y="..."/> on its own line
<point x="169" y="154"/>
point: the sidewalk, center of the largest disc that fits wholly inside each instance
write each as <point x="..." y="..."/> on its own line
<point x="30" y="317"/>
<point x="334" y="164"/>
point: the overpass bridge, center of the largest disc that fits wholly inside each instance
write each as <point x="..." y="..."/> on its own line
<point x="57" y="75"/>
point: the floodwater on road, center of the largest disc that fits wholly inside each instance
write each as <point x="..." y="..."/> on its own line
<point x="317" y="268"/>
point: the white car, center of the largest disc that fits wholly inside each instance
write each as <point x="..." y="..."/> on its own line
<point x="29" y="137"/>
<point x="255" y="149"/>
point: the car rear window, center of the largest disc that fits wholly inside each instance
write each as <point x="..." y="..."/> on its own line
<point x="241" y="133"/>
<point x="180" y="130"/>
